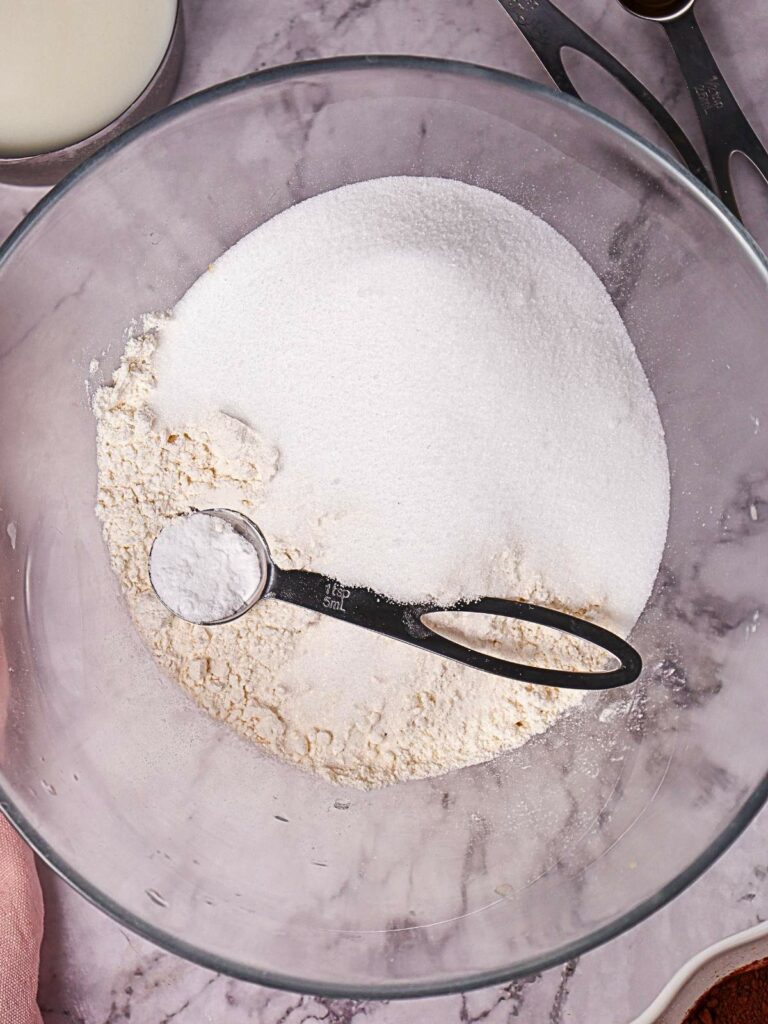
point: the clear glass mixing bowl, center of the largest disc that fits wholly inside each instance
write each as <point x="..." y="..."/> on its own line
<point x="189" y="835"/>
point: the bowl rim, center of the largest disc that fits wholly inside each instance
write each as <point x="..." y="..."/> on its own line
<point x="476" y="979"/>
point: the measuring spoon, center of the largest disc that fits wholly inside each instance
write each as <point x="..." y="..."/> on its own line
<point x="549" y="32"/>
<point x="362" y="607"/>
<point x="726" y="129"/>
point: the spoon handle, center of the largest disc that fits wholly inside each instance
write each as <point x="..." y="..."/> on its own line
<point x="363" y="607"/>
<point x="548" y="32"/>
<point x="726" y="130"/>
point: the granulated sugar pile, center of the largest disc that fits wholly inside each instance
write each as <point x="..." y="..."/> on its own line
<point x="413" y="385"/>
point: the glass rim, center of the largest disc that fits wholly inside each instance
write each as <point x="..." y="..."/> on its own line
<point x="28" y="169"/>
<point x="477" y="979"/>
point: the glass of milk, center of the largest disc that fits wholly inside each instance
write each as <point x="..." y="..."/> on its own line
<point x="75" y="73"/>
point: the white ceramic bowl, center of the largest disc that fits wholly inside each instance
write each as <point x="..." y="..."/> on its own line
<point x="703" y="971"/>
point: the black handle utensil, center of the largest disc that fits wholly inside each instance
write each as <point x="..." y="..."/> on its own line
<point x="726" y="129"/>
<point x="365" y="608"/>
<point x="549" y="31"/>
<point x="362" y="607"/>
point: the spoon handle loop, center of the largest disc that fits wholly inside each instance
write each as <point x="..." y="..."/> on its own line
<point x="362" y="607"/>
<point x="548" y="32"/>
<point x="724" y="125"/>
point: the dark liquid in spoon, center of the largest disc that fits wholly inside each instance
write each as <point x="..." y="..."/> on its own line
<point x="655" y="8"/>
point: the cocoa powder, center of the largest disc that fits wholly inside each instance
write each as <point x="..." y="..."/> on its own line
<point x="740" y="998"/>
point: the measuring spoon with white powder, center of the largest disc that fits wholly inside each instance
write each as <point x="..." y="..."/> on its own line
<point x="212" y="566"/>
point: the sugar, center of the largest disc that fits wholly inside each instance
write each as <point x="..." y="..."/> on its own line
<point x="202" y="569"/>
<point x="456" y="403"/>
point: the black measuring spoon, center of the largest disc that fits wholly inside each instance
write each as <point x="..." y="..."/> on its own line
<point x="726" y="129"/>
<point x="549" y="32"/>
<point x="362" y="607"/>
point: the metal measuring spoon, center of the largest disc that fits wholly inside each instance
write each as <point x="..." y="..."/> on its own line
<point x="726" y="129"/>
<point x="549" y="31"/>
<point x="363" y="607"/>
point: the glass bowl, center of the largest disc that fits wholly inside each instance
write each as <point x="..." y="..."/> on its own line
<point x="189" y="835"/>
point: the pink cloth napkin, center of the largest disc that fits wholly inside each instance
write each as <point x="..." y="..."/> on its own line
<point x="21" y="929"/>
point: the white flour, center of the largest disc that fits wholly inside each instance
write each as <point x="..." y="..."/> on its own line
<point x="441" y="401"/>
<point x="202" y="569"/>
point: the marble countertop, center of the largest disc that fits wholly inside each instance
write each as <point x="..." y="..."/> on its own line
<point x="95" y="972"/>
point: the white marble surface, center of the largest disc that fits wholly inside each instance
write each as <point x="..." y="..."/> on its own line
<point x="98" y="973"/>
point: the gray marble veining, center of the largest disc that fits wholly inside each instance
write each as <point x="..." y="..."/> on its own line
<point x="93" y="970"/>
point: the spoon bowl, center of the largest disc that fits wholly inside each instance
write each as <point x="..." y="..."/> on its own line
<point x="249" y="531"/>
<point x="658" y="10"/>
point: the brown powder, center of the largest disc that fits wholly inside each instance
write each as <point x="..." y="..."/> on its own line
<point x="741" y="998"/>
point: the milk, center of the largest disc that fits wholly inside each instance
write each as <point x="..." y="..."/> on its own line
<point x="69" y="67"/>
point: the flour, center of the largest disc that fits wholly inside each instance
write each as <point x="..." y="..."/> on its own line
<point x="412" y="385"/>
<point x="202" y="569"/>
